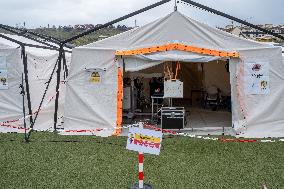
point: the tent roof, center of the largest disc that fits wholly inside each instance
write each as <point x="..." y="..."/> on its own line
<point x="175" y="28"/>
<point x="4" y="43"/>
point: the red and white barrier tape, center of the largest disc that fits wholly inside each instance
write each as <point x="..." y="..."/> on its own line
<point x="221" y="139"/>
<point x="14" y="127"/>
<point x="212" y="138"/>
<point x="7" y="124"/>
<point x="95" y="131"/>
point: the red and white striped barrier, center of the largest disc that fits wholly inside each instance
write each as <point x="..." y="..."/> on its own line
<point x="141" y="170"/>
<point x="14" y="127"/>
<point x="221" y="139"/>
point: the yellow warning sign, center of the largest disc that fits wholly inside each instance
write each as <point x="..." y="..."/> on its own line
<point x="95" y="77"/>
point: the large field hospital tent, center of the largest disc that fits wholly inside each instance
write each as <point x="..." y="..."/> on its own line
<point x="94" y="88"/>
<point x="41" y="63"/>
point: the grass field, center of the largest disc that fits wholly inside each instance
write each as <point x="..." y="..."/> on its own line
<point x="52" y="161"/>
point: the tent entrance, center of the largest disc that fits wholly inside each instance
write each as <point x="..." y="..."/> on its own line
<point x="197" y="78"/>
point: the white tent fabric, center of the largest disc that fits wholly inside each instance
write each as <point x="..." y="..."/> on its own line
<point x="40" y="65"/>
<point x="177" y="56"/>
<point x="91" y="106"/>
<point x="262" y="113"/>
<point x="140" y="62"/>
<point x="11" y="100"/>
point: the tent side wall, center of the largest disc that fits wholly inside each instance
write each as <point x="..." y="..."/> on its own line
<point x="238" y="116"/>
<point x="259" y="115"/>
<point x="10" y="99"/>
<point x="40" y="68"/>
<point x="40" y="65"/>
<point x="90" y="105"/>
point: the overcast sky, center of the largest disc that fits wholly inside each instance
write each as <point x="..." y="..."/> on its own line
<point x="64" y="12"/>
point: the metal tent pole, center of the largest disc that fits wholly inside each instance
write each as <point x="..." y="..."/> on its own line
<point x="28" y="37"/>
<point x="66" y="71"/>
<point x="45" y="92"/>
<point x="11" y="39"/>
<point x="24" y="107"/>
<point x="57" y="86"/>
<point x="23" y="32"/>
<point x="29" y="45"/>
<point x="214" y="11"/>
<point x="25" y="63"/>
<point x="116" y="20"/>
<point x="176" y="8"/>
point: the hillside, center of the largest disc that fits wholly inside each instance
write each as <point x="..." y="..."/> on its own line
<point x="64" y="33"/>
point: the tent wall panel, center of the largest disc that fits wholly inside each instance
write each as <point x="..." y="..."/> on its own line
<point x="89" y="105"/>
<point x="264" y="117"/>
<point x="238" y="116"/>
<point x="11" y="99"/>
<point x="40" y="65"/>
<point x="40" y="68"/>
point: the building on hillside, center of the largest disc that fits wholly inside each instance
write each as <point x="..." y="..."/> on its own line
<point x="235" y="30"/>
<point x="103" y="37"/>
<point x="251" y="33"/>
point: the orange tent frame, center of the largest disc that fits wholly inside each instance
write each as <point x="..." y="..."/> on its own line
<point x="119" y="103"/>
<point x="163" y="48"/>
<point x="177" y="46"/>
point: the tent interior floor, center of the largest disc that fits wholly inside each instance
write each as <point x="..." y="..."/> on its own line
<point x="199" y="121"/>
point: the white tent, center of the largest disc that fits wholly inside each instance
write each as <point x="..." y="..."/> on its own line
<point x="40" y="65"/>
<point x="257" y="112"/>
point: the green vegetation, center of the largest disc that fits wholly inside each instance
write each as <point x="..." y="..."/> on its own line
<point x="52" y="161"/>
<point x="64" y="33"/>
<point x="61" y="33"/>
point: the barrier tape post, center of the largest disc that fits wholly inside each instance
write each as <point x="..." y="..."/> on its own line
<point x="143" y="141"/>
<point x="140" y="161"/>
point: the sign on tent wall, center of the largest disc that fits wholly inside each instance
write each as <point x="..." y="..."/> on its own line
<point x="257" y="78"/>
<point x="3" y="73"/>
<point x="96" y="75"/>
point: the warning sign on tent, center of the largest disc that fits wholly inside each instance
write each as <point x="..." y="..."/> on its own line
<point x="95" y="77"/>
<point x="3" y="79"/>
<point x="257" y="78"/>
<point x="3" y="73"/>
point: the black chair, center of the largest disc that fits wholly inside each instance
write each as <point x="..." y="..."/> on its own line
<point x="212" y="98"/>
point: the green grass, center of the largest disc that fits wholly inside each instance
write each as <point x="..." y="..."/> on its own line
<point x="52" y="161"/>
